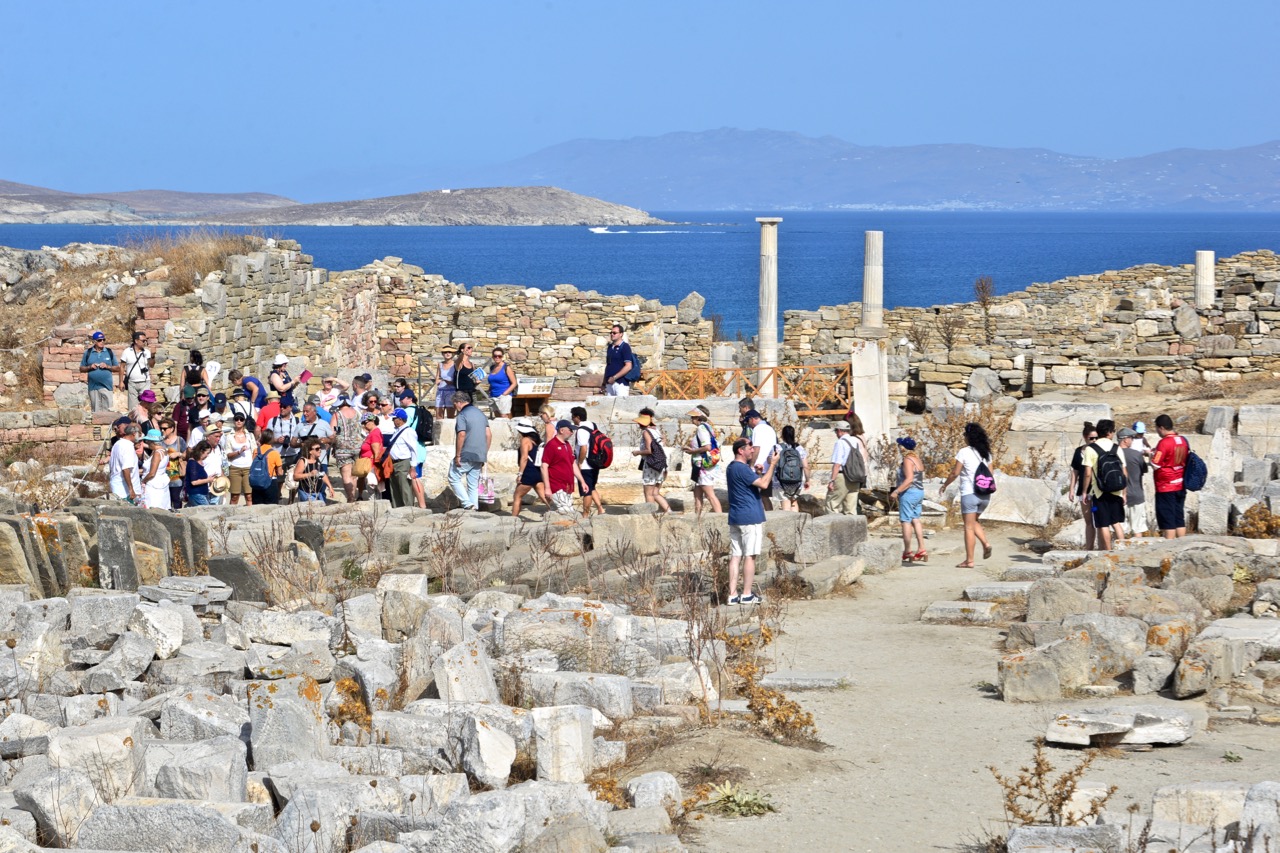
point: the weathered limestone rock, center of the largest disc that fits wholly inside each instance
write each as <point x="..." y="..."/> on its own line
<point x="611" y="695"/>
<point x="465" y="674"/>
<point x="1045" y="416"/>
<point x="1052" y="599"/>
<point x="286" y="721"/>
<point x="655" y="789"/>
<point x="162" y="626"/>
<point x="96" y="614"/>
<point x="1200" y="803"/>
<point x="215" y="769"/>
<point x="831" y="536"/>
<point x="198" y="715"/>
<point x="1145" y="724"/>
<point x="1022" y="500"/>
<point x="129" y="658"/>
<point x="162" y="827"/>
<point x="117" y="565"/>
<point x="487" y="752"/>
<point x="826" y="576"/>
<point x="1151" y="673"/>
<point x="108" y="750"/>
<point x="60" y="800"/>
<point x="1083" y="839"/>
<point x="564" y="736"/>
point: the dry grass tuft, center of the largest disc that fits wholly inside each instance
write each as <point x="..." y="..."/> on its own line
<point x="191" y="255"/>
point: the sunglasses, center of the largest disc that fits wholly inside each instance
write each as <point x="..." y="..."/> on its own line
<point x="202" y="396"/>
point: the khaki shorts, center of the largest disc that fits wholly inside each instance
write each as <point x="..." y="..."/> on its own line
<point x="745" y="539"/>
<point x="239" y="481"/>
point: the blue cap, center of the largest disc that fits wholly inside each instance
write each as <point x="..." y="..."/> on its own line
<point x="98" y="336"/>
<point x="1139" y="427"/>
<point x="287" y="400"/>
<point x="154" y="435"/>
<point x="907" y="442"/>
<point x="400" y="415"/>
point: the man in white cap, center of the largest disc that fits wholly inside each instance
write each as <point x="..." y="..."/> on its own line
<point x="840" y="498"/>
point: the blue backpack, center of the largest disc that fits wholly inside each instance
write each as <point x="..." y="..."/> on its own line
<point x="259" y="472"/>
<point x="633" y="375"/>
<point x="1196" y="472"/>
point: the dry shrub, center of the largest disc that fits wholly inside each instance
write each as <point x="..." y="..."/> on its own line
<point x="940" y="434"/>
<point x="1257" y="522"/>
<point x="1040" y="464"/>
<point x="1036" y="798"/>
<point x="950" y="323"/>
<point x="775" y="714"/>
<point x="191" y="255"/>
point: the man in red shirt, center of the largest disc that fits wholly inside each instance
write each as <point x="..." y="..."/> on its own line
<point x="1170" y="461"/>
<point x="560" y="468"/>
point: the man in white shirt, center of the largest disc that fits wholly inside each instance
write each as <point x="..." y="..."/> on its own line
<point x="840" y="498"/>
<point x="136" y="364"/>
<point x="404" y="449"/>
<point x="122" y="469"/>
<point x="582" y="446"/>
<point x="313" y="427"/>
<point x="764" y="443"/>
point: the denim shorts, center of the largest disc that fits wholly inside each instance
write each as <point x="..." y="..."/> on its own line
<point x="971" y="504"/>
<point x="910" y="504"/>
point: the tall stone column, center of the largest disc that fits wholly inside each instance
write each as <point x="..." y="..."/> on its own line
<point x="1204" y="279"/>
<point x="873" y="281"/>
<point x="767" y="334"/>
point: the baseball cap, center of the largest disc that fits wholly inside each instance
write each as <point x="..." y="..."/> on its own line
<point x="121" y="421"/>
<point x="400" y="415"/>
<point x="287" y="400"/>
<point x="204" y="413"/>
<point x="153" y="435"/>
<point x="98" y="336"/>
<point x="313" y="399"/>
<point x="844" y="425"/>
<point x="754" y="414"/>
<point x="365" y="377"/>
<point x="239" y="416"/>
<point x="564" y="425"/>
<point x="1140" y="428"/>
<point x="189" y="393"/>
<point x="219" y="399"/>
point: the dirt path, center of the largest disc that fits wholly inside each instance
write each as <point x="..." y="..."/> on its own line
<point x="910" y="741"/>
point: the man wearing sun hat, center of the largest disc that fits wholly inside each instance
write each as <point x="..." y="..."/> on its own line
<point x="101" y="364"/>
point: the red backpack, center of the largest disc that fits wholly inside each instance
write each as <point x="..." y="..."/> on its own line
<point x="599" y="450"/>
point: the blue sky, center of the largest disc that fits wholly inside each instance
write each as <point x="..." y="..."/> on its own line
<point x="323" y="100"/>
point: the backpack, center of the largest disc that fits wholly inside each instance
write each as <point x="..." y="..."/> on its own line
<point x="633" y="375"/>
<point x="1195" y="473"/>
<point x="984" y="482"/>
<point x="657" y="458"/>
<point x="424" y="425"/>
<point x="599" y="450"/>
<point x="1110" y="470"/>
<point x="791" y="466"/>
<point x="260" y="471"/>
<point x="711" y="458"/>
<point x="855" y="467"/>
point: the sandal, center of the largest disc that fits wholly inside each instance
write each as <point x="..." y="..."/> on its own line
<point x="965" y="565"/>
<point x="922" y="556"/>
<point x="907" y="556"/>
<point x="986" y="552"/>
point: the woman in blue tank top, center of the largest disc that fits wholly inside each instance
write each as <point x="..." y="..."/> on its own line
<point x="502" y="384"/>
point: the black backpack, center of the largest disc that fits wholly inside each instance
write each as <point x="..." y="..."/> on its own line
<point x="424" y="425"/>
<point x="1195" y="474"/>
<point x="1110" y="470"/>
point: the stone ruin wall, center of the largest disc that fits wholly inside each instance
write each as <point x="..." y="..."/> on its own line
<point x="1066" y="334"/>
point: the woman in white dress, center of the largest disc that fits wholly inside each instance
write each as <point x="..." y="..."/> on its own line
<point x="155" y="478"/>
<point x="705" y="470"/>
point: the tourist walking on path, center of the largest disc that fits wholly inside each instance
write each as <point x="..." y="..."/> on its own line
<point x="268" y="494"/>
<point x="155" y="481"/>
<point x="175" y="447"/>
<point x="409" y="402"/>
<point x="792" y="475"/>
<point x="403" y="450"/>
<point x="1075" y="485"/>
<point x="502" y="384"/>
<point x="1170" y="462"/>
<point x="546" y="421"/>
<point x="123" y="475"/>
<point x="910" y="497"/>
<point x="764" y="441"/>
<point x="848" y="451"/>
<point x="194" y="374"/>
<point x="560" y="469"/>
<point x="240" y="449"/>
<point x="746" y="519"/>
<point x="704" y="460"/>
<point x="618" y="361"/>
<point x="1135" y="500"/>
<point x="583" y="430"/>
<point x="135" y="363"/>
<point x="975" y="454"/>
<point x="309" y="474"/>
<point x="100" y="364"/>
<point x="445" y="372"/>
<point x="470" y="450"/>
<point x="197" y="478"/>
<point x="372" y="468"/>
<point x="1108" y="492"/>
<point x="653" y="459"/>
<point x="349" y="437"/>
<point x="279" y="377"/>
<point x="530" y="464"/>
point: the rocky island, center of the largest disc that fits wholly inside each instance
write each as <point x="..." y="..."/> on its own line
<point x="20" y="203"/>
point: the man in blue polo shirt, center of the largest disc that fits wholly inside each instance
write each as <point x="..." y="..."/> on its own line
<point x="100" y="363"/>
<point x="617" y="363"/>
<point x="746" y="518"/>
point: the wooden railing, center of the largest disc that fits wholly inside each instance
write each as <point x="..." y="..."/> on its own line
<point x="816" y="389"/>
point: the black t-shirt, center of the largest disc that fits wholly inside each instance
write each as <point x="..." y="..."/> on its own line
<point x="1077" y="465"/>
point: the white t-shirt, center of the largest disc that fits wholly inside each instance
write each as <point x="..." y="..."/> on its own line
<point x="249" y="443"/>
<point x="764" y="437"/>
<point x="135" y="363"/>
<point x="124" y="457"/>
<point x="581" y="439"/>
<point x="969" y="461"/>
<point x="840" y="452"/>
<point x="216" y="460"/>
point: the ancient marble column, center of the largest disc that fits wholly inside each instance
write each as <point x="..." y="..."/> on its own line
<point x="873" y="281"/>
<point x="767" y="325"/>
<point x="1204" y="279"/>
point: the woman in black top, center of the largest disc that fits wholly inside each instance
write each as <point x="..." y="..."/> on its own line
<point x="311" y="478"/>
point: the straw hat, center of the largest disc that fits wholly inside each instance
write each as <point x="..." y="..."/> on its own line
<point x="699" y="411"/>
<point x="644" y="420"/>
<point x="220" y="486"/>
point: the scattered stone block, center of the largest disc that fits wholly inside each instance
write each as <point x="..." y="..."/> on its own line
<point x="789" y="679"/>
<point x="215" y="769"/>
<point x="826" y="576"/>
<point x="658" y="788"/>
<point x="59" y="799"/>
<point x="999" y="591"/>
<point x="962" y="612"/>
<point x="565" y="747"/>
<point x="286" y="721"/>
<point x="487" y="752"/>
<point x="465" y="674"/>
<point x="1051" y="839"/>
<point x="1142" y="725"/>
<point x="109" y="751"/>
<point x="1151" y="673"/>
<point x="1200" y="803"/>
<point x="831" y="536"/>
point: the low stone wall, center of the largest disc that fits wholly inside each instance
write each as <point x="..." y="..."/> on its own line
<point x="75" y="430"/>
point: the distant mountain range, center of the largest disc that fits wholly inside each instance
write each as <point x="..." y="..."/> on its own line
<point x="20" y="203"/>
<point x="732" y="169"/>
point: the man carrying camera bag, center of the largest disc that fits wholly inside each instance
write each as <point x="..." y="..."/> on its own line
<point x="136" y="364"/>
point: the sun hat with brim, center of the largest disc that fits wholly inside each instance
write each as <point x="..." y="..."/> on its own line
<point x="699" y="412"/>
<point x="344" y="400"/>
<point x="240" y="392"/>
<point x="147" y="396"/>
<point x="524" y="425"/>
<point x="153" y="435"/>
<point x="643" y="420"/>
<point x="220" y="485"/>
<point x="279" y="360"/>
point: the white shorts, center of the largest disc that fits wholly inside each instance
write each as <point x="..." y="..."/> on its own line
<point x="745" y="539"/>
<point x="617" y="389"/>
<point x="502" y="405"/>
<point x="1136" y="516"/>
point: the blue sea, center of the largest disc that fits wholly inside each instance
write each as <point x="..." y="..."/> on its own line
<point x="929" y="257"/>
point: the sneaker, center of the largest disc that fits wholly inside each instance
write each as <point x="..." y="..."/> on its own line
<point x="749" y="599"/>
<point x="734" y="600"/>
